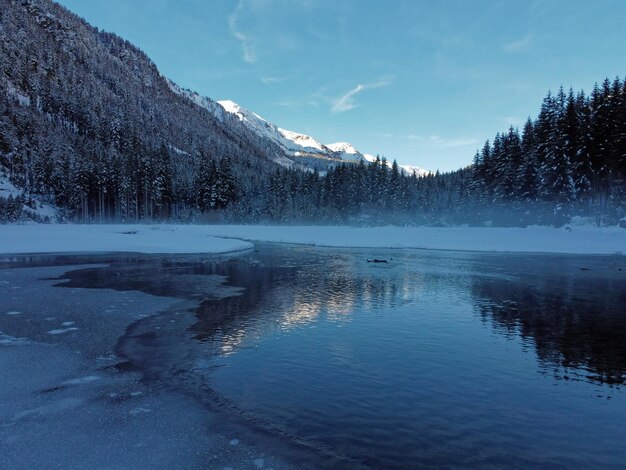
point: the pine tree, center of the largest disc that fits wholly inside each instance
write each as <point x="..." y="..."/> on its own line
<point x="225" y="185"/>
<point x="526" y="179"/>
<point x="582" y="169"/>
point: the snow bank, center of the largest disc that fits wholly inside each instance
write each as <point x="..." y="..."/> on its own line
<point x="41" y="209"/>
<point x="579" y="240"/>
<point x="66" y="238"/>
<point x="206" y="238"/>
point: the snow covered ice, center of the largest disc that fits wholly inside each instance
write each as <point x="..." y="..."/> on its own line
<point x="231" y="238"/>
<point x="66" y="400"/>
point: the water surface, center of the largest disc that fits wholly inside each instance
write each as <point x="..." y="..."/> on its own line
<point x="430" y="359"/>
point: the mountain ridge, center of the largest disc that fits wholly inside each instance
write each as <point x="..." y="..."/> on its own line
<point x="298" y="145"/>
<point x="301" y="151"/>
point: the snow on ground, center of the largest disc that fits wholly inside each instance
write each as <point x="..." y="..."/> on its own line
<point x="64" y="404"/>
<point x="7" y="188"/>
<point x="67" y="238"/>
<point x="579" y="240"/>
<point x="39" y="208"/>
<point x="206" y="238"/>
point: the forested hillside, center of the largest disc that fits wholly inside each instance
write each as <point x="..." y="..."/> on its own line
<point x="88" y="124"/>
<point x="87" y="121"/>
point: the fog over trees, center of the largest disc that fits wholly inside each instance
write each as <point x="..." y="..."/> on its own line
<point x="88" y="123"/>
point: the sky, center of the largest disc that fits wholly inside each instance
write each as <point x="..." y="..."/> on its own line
<point x="424" y="82"/>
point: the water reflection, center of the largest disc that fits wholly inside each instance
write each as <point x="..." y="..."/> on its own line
<point x="422" y="357"/>
<point x="573" y="319"/>
<point x="388" y="364"/>
<point x="286" y="292"/>
<point x="576" y="322"/>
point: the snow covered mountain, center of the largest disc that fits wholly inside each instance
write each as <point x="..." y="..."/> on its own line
<point x="295" y="145"/>
<point x="303" y="148"/>
<point x="410" y="169"/>
<point x="299" y="150"/>
<point x="347" y="152"/>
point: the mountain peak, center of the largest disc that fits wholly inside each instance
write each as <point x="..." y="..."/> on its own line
<point x="229" y="105"/>
<point x="344" y="147"/>
<point x="299" y="149"/>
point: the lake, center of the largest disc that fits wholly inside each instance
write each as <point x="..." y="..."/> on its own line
<point x="323" y="359"/>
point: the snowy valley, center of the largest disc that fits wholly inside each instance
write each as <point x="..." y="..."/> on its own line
<point x="186" y="284"/>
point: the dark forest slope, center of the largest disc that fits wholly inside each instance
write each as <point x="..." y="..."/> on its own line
<point x="86" y="119"/>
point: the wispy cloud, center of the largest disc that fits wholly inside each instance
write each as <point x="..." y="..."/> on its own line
<point x="438" y="141"/>
<point x="520" y="45"/>
<point x="297" y="103"/>
<point x="346" y="102"/>
<point x="270" y="80"/>
<point x="244" y="39"/>
<point x="453" y="143"/>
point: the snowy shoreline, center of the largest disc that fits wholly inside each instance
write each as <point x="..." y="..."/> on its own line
<point x="149" y="239"/>
<point x="184" y="239"/>
<point x="67" y="339"/>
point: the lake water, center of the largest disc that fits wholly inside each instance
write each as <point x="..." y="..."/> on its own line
<point x="430" y="359"/>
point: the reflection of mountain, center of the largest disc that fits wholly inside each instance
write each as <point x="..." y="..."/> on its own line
<point x="575" y="324"/>
<point x="280" y="297"/>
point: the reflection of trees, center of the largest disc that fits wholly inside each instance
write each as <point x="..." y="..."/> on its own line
<point x="225" y="319"/>
<point x="574" y="322"/>
<point x="577" y="325"/>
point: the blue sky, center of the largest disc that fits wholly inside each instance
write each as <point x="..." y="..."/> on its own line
<point x="425" y="82"/>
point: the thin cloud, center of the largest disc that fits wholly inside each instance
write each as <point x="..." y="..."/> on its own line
<point x="274" y="79"/>
<point x="244" y="39"/>
<point x="452" y="143"/>
<point x="297" y="103"/>
<point x="438" y="141"/>
<point x="520" y="45"/>
<point x="347" y="102"/>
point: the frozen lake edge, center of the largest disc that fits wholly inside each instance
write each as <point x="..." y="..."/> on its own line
<point x="203" y="239"/>
<point x="67" y="338"/>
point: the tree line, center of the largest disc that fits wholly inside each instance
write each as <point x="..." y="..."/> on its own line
<point x="570" y="160"/>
